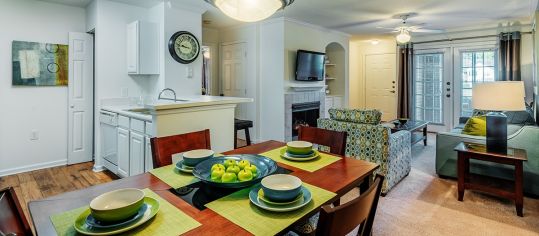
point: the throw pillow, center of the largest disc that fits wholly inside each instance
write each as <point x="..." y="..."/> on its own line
<point x="476" y="125"/>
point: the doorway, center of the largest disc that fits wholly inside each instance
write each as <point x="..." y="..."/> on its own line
<point x="380" y="84"/>
<point x="233" y="74"/>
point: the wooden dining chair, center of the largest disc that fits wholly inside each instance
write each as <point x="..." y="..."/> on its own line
<point x="12" y="219"/>
<point x="335" y="140"/>
<point x="342" y="219"/>
<point x="163" y="148"/>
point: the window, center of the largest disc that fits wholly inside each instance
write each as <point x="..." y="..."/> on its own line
<point x="428" y="82"/>
<point x="477" y="66"/>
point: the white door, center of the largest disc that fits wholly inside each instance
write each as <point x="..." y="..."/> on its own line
<point x="123" y="152"/>
<point x="433" y="88"/>
<point x="136" y="154"/>
<point x="233" y="74"/>
<point x="81" y="96"/>
<point x="381" y="84"/>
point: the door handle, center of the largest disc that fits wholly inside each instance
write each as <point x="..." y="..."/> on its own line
<point x="392" y="91"/>
<point x="72" y="106"/>
<point x="448" y="95"/>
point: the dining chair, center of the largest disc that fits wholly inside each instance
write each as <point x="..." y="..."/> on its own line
<point x="12" y="219"/>
<point x="343" y="219"/>
<point x="164" y="147"/>
<point x="335" y="140"/>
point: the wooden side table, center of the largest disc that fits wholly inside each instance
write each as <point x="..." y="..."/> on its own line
<point x="511" y="189"/>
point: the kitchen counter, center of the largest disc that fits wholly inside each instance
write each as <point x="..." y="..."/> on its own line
<point x="124" y="111"/>
<point x="195" y="101"/>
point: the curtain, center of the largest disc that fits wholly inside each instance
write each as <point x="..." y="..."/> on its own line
<point x="510" y="56"/>
<point x="405" y="63"/>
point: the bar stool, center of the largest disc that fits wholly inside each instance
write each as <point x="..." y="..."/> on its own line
<point x="239" y="125"/>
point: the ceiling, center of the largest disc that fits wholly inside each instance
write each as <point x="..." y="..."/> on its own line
<point x="364" y="16"/>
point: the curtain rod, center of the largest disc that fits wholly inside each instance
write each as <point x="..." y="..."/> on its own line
<point x="465" y="38"/>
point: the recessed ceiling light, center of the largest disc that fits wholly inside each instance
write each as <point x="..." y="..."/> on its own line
<point x="375" y="42"/>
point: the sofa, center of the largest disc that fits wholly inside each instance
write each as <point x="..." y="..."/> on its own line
<point x="368" y="140"/>
<point x="519" y="136"/>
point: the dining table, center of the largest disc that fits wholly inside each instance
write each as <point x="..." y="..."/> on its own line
<point x="339" y="177"/>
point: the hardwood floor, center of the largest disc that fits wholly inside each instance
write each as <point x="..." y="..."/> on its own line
<point x="44" y="183"/>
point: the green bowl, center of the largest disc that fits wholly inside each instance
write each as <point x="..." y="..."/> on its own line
<point x="299" y="147"/>
<point x="117" y="205"/>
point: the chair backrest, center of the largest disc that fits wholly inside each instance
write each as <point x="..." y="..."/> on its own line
<point x="163" y="148"/>
<point x="12" y="219"/>
<point x="335" y="140"/>
<point x="342" y="219"/>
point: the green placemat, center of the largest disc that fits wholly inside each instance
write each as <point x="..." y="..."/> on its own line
<point x="237" y="208"/>
<point x="168" y="221"/>
<point x="311" y="166"/>
<point x="171" y="176"/>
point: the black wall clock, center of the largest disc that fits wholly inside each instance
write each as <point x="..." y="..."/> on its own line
<point x="184" y="47"/>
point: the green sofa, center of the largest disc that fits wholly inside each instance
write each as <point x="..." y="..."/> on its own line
<point x="524" y="137"/>
<point x="370" y="141"/>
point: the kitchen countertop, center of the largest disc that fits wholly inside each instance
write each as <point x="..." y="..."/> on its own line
<point x="123" y="110"/>
<point x="195" y="101"/>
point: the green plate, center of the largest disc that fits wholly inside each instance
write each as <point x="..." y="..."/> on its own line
<point x="253" y="197"/>
<point x="285" y="155"/>
<point x="83" y="228"/>
<point x="264" y="199"/>
<point x="184" y="168"/>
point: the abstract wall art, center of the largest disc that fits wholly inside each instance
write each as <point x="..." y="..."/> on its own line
<point x="39" y="64"/>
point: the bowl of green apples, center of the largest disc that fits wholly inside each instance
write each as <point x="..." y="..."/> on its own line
<point x="236" y="171"/>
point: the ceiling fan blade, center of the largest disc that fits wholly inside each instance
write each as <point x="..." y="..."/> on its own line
<point x="355" y="24"/>
<point x="388" y="28"/>
<point x="427" y="31"/>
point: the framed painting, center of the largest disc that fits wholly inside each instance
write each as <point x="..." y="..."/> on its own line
<point x="39" y="64"/>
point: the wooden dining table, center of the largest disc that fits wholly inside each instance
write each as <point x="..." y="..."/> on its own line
<point x="339" y="177"/>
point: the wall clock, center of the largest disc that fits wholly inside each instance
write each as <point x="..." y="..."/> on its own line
<point x="184" y="47"/>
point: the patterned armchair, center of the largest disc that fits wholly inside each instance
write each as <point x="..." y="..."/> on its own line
<point x="368" y="140"/>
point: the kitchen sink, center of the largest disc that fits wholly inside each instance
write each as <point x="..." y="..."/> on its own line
<point x="143" y="111"/>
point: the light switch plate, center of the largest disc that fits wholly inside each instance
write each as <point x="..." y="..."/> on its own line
<point x="189" y="72"/>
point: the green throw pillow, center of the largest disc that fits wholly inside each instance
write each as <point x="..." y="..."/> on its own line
<point x="476" y="125"/>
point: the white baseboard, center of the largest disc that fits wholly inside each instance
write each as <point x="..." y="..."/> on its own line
<point x="98" y="168"/>
<point x="32" y="167"/>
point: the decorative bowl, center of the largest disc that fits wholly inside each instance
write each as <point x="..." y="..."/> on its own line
<point x="264" y="165"/>
<point x="192" y="158"/>
<point x="281" y="187"/>
<point x="299" y="147"/>
<point x="117" y="205"/>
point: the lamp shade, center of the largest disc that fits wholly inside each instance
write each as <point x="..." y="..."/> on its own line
<point x="499" y="96"/>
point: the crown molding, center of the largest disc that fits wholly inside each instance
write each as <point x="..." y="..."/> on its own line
<point x="316" y="27"/>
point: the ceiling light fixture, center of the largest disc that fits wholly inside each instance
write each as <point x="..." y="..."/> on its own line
<point x="403" y="37"/>
<point x="250" y="10"/>
<point x="375" y="42"/>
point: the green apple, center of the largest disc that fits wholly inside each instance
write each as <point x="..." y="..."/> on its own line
<point x="217" y="166"/>
<point x="252" y="168"/>
<point x="230" y="162"/>
<point x="217" y="173"/>
<point x="243" y="164"/>
<point x="233" y="169"/>
<point x="245" y="175"/>
<point x="229" y="178"/>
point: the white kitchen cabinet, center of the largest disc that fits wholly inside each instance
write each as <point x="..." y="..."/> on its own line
<point x="123" y="152"/>
<point x="136" y="153"/>
<point x="142" y="48"/>
<point x="148" y="163"/>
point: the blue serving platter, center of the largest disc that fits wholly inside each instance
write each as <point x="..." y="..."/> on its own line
<point x="264" y="165"/>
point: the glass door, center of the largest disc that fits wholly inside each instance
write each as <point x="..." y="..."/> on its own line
<point x="472" y="65"/>
<point x="432" y="88"/>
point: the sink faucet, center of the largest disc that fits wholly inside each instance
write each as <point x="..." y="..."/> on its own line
<point x="164" y="90"/>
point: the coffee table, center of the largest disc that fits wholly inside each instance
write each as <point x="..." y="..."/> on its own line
<point x="511" y="189"/>
<point x="418" y="128"/>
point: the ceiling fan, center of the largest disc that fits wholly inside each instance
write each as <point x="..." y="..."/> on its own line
<point x="405" y="29"/>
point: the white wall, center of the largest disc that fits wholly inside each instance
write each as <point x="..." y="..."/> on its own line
<point x="24" y="109"/>
<point x="210" y="38"/>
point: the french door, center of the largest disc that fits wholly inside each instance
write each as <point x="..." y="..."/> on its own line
<point x="443" y="81"/>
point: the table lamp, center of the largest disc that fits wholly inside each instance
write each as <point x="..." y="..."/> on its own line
<point x="498" y="96"/>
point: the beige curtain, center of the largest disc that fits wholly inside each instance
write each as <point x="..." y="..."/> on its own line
<point x="510" y="56"/>
<point x="406" y="59"/>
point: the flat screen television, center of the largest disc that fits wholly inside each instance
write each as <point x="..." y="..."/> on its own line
<point x="310" y="66"/>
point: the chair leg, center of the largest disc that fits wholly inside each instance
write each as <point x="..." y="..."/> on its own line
<point x="248" y="136"/>
<point x="235" y="138"/>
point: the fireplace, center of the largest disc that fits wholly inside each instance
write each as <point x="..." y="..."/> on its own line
<point x="304" y="114"/>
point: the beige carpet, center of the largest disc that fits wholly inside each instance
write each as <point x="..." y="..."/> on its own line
<point x="423" y="204"/>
